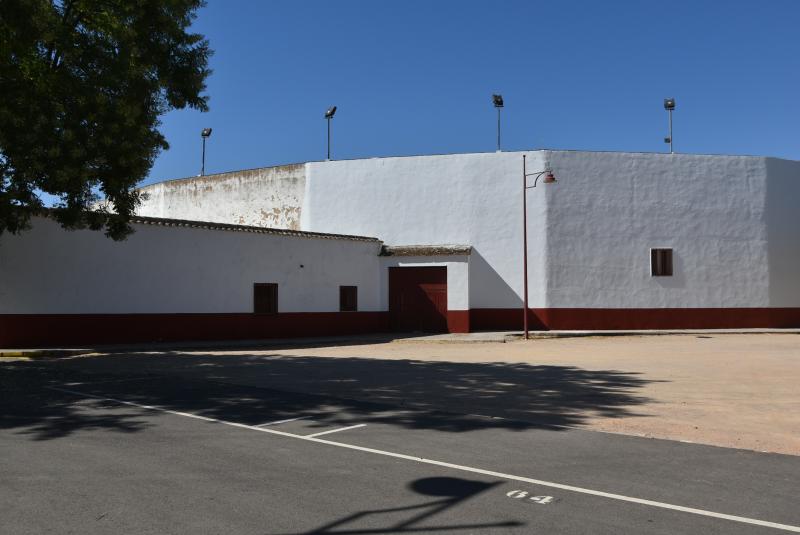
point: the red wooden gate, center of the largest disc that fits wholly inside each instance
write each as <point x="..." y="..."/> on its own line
<point x="418" y="299"/>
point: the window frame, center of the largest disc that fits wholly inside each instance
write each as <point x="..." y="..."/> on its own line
<point x="662" y="262"/>
<point x="344" y="298"/>
<point x="273" y="296"/>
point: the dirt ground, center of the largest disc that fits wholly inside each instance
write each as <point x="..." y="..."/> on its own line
<point x="740" y="391"/>
<point x="731" y="390"/>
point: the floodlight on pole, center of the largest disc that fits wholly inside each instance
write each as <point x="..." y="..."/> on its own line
<point x="205" y="134"/>
<point x="497" y="100"/>
<point x="549" y="178"/>
<point x="328" y="116"/>
<point x="669" y="105"/>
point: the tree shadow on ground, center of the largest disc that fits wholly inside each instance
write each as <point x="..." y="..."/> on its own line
<point x="26" y="404"/>
<point x="254" y="389"/>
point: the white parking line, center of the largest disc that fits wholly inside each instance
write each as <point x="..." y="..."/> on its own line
<point x="334" y="431"/>
<point x="276" y="422"/>
<point x="510" y="477"/>
<point x="126" y="379"/>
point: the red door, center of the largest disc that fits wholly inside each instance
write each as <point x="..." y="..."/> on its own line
<point x="418" y="298"/>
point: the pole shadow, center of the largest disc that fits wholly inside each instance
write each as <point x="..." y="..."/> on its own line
<point x="448" y="491"/>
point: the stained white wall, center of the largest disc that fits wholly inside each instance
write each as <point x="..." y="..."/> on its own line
<point x="732" y="222"/>
<point x="174" y="269"/>
<point x="267" y="197"/>
<point x="457" y="276"/>
<point x="473" y="199"/>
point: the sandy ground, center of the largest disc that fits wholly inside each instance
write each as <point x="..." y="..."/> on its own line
<point x="730" y="390"/>
<point x="740" y="391"/>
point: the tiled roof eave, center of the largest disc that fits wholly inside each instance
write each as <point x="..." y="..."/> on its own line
<point x="426" y="250"/>
<point x="209" y="225"/>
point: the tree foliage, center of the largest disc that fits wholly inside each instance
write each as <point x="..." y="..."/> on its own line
<point x="82" y="86"/>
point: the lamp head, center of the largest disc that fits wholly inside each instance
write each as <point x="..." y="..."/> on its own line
<point x="330" y="113"/>
<point x="497" y="100"/>
<point x="669" y="104"/>
<point x="206" y="132"/>
<point x="549" y="178"/>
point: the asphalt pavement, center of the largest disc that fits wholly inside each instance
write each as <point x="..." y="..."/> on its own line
<point x="155" y="453"/>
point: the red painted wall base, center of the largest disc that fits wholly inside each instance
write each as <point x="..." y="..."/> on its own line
<point x="458" y="321"/>
<point x="485" y="319"/>
<point x="43" y="330"/>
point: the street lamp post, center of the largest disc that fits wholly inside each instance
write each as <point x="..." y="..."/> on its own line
<point x="548" y="179"/>
<point x="497" y="100"/>
<point x="205" y="134"/>
<point x="328" y="117"/>
<point x="669" y="105"/>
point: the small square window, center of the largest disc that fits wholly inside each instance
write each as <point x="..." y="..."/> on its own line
<point x="661" y="262"/>
<point x="348" y="298"/>
<point x="265" y="298"/>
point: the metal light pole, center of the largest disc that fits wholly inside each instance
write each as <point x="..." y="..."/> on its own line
<point x="669" y="105"/>
<point x="328" y="117"/>
<point x="498" y="103"/>
<point x="548" y="179"/>
<point x="205" y="134"/>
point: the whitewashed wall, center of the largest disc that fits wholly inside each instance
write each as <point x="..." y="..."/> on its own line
<point x="174" y="269"/>
<point x="732" y="221"/>
<point x="473" y="199"/>
<point x="266" y="197"/>
<point x="609" y="209"/>
<point x="783" y="231"/>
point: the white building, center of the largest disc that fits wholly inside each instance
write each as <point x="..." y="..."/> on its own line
<point x="183" y="280"/>
<point x="622" y="240"/>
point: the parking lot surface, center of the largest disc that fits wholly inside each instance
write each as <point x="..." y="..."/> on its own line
<point x="90" y="451"/>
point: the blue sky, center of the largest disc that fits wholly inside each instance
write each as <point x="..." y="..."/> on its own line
<point x="416" y="77"/>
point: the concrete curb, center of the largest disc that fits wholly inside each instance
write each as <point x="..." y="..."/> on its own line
<point x="672" y="332"/>
<point x="457" y="339"/>
<point x="516" y="336"/>
<point x="30" y="354"/>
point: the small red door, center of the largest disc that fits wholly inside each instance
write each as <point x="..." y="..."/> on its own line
<point x="418" y="298"/>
